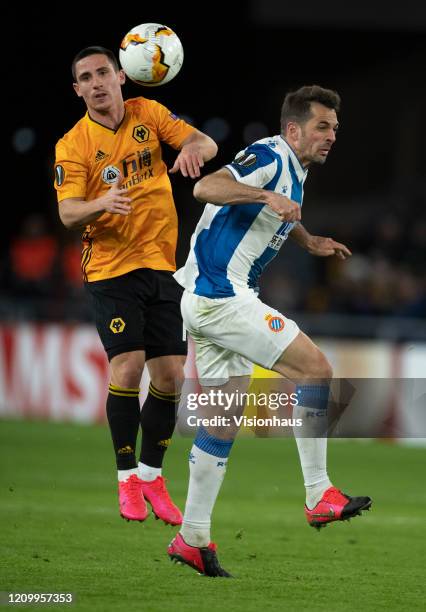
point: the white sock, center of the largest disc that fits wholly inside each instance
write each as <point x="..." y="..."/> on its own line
<point x="124" y="474"/>
<point x="206" y="473"/>
<point x="148" y="473"/>
<point x="312" y="452"/>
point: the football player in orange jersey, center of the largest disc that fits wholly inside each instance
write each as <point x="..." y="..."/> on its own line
<point x="112" y="183"/>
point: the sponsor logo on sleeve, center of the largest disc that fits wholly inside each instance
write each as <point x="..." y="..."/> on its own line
<point x="245" y="159"/>
<point x="59" y="175"/>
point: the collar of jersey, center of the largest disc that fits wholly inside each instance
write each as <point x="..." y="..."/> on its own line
<point x="300" y="170"/>
<point x="94" y="122"/>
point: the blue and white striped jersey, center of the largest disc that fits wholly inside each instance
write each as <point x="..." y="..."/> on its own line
<point x="232" y="244"/>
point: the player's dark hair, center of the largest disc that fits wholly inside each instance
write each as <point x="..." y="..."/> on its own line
<point x="297" y="104"/>
<point x="94" y="51"/>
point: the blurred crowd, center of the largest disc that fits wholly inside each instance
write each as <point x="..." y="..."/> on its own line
<point x="41" y="275"/>
<point x="386" y="276"/>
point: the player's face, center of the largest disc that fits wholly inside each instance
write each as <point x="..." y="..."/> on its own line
<point x="98" y="83"/>
<point x="316" y="137"/>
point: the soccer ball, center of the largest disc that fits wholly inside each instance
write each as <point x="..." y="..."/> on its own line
<point x="151" y="54"/>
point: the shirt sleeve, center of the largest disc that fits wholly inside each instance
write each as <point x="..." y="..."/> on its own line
<point x="171" y="129"/>
<point x="255" y="166"/>
<point x="70" y="173"/>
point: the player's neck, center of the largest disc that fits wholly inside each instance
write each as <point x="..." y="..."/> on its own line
<point x="304" y="162"/>
<point x="110" y="118"/>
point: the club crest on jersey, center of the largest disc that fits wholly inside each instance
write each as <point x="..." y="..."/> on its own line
<point x="275" y="324"/>
<point x="245" y="159"/>
<point x="110" y="175"/>
<point x="140" y="133"/>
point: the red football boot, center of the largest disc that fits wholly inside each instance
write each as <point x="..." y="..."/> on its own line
<point x="156" y="494"/>
<point x="203" y="560"/>
<point x="335" y="506"/>
<point x="131" y="499"/>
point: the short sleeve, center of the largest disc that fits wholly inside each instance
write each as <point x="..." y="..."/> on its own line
<point x="255" y="166"/>
<point x="70" y="173"/>
<point x="171" y="129"/>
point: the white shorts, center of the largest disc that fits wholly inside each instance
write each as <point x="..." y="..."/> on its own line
<point x="230" y="334"/>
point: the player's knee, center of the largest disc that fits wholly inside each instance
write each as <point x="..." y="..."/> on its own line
<point x="127" y="374"/>
<point x="320" y="367"/>
<point x="316" y="367"/>
<point x="170" y="379"/>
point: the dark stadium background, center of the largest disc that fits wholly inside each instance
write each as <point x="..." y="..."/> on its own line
<point x="238" y="65"/>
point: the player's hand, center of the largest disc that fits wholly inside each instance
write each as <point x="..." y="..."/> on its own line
<point x="286" y="209"/>
<point x="189" y="161"/>
<point x="324" y="247"/>
<point x="115" y="201"/>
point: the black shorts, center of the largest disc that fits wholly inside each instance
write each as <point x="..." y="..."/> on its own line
<point x="139" y="310"/>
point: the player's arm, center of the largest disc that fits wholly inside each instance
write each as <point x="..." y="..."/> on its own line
<point x="76" y="212"/>
<point x="196" y="149"/>
<point x="222" y="188"/>
<point x="318" y="245"/>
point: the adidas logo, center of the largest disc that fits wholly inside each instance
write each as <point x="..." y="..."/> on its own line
<point x="165" y="443"/>
<point x="100" y="155"/>
<point x="126" y="450"/>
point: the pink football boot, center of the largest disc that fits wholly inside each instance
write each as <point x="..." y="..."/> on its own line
<point x="156" y="494"/>
<point x="335" y="506"/>
<point x="131" y="499"/>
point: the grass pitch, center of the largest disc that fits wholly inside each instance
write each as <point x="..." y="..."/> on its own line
<point x="61" y="532"/>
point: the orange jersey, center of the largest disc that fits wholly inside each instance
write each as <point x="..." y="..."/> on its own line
<point x="89" y="159"/>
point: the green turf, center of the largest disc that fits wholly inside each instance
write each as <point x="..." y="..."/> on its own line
<point x="60" y="529"/>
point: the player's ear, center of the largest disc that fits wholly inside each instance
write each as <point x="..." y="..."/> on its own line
<point x="293" y="129"/>
<point x="77" y="89"/>
<point x="122" y="77"/>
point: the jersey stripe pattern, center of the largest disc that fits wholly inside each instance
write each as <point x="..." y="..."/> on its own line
<point x="232" y="244"/>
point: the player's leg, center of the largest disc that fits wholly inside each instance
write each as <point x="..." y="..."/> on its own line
<point x="222" y="371"/>
<point x="120" y="327"/>
<point x="303" y="362"/>
<point x="123" y="409"/>
<point x="166" y="350"/>
<point x="158" y="416"/>
<point x="158" y="420"/>
<point x="208" y="461"/>
<point x="123" y="412"/>
<point x="264" y="336"/>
